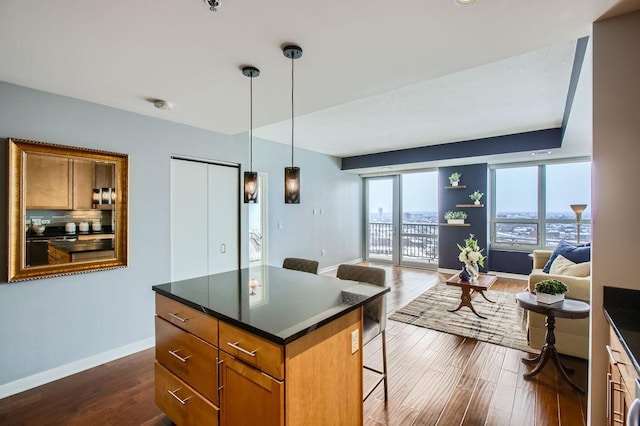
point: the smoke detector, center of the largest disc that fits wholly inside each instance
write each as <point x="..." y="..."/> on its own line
<point x="162" y="104"/>
<point x="214" y="5"/>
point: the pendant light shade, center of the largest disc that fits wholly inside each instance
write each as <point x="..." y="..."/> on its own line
<point x="292" y="174"/>
<point x="251" y="177"/>
<point x="250" y="187"/>
<point x="292" y="185"/>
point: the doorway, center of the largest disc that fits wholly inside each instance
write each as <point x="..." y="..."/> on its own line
<point x="402" y="219"/>
<point x="258" y="225"/>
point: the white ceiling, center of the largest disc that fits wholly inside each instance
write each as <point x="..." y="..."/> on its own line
<point x="375" y="75"/>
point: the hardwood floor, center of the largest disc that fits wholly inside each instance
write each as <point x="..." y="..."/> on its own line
<point x="434" y="379"/>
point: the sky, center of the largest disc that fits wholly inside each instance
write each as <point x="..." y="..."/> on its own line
<point x="568" y="183"/>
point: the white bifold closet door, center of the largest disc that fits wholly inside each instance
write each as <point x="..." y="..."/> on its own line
<point x="204" y="218"/>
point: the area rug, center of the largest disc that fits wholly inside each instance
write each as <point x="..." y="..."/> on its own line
<point x="503" y="326"/>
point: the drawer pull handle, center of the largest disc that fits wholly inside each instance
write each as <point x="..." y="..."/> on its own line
<point x="610" y="351"/>
<point x="172" y="315"/>
<point x="175" y="353"/>
<point x="219" y="362"/>
<point x="182" y="401"/>
<point x="244" y="351"/>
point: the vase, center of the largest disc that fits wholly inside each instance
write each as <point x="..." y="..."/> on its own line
<point x="454" y="183"/>
<point x="476" y="202"/>
<point x="549" y="299"/>
<point x="472" y="269"/>
<point x="464" y="274"/>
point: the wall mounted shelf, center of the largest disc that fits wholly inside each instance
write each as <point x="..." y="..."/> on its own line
<point x="455" y="187"/>
<point x="470" y="205"/>
<point x="454" y="224"/>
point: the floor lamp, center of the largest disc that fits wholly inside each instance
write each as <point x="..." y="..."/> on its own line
<point x="578" y="209"/>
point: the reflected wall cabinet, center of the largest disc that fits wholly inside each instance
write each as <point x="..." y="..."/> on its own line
<point x="205" y="221"/>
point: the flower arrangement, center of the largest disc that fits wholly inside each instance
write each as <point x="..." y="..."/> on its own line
<point x="476" y="196"/>
<point x="455" y="178"/>
<point x="471" y="252"/>
<point x="455" y="215"/>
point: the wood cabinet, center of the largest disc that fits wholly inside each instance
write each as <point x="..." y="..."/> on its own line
<point x="83" y="171"/>
<point x="187" y="358"/>
<point x="49" y="182"/>
<point x="248" y="396"/>
<point x="59" y="183"/>
<point x="621" y="380"/>
<point x="217" y="370"/>
<point x="57" y="256"/>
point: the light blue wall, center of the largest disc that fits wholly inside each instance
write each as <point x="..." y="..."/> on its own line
<point x="51" y="322"/>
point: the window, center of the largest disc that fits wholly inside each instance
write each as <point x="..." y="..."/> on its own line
<point x="532" y="205"/>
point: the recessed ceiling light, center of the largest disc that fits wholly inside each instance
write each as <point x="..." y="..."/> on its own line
<point x="541" y="153"/>
<point x="463" y="2"/>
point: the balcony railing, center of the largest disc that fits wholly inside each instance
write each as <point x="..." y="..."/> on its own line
<point x="419" y="242"/>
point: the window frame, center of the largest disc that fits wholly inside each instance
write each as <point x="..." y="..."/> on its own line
<point x="541" y="221"/>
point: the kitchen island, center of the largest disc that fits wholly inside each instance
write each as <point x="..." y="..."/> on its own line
<point x="261" y="345"/>
<point x="81" y="250"/>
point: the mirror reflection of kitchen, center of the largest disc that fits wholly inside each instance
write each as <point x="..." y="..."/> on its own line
<point x="69" y="215"/>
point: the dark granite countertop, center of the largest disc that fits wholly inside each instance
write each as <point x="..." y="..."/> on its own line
<point x="622" y="310"/>
<point x="72" y="247"/>
<point x="58" y="231"/>
<point x="283" y="306"/>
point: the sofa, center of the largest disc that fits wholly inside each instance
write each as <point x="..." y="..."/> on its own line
<point x="572" y="335"/>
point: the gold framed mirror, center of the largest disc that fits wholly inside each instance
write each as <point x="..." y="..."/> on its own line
<point x="68" y="210"/>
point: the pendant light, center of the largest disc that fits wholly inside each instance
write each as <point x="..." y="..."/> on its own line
<point x="251" y="177"/>
<point x="292" y="174"/>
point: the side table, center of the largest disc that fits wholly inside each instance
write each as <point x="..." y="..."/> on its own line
<point x="568" y="308"/>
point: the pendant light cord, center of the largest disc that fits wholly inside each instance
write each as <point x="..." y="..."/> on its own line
<point x="292" y="116"/>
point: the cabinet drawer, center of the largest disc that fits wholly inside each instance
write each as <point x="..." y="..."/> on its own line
<point x="192" y="359"/>
<point x="254" y="350"/>
<point x="181" y="403"/>
<point x="202" y="325"/>
<point x="623" y="363"/>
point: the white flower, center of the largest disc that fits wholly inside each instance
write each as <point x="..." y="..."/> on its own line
<point x="462" y="257"/>
<point x="474" y="256"/>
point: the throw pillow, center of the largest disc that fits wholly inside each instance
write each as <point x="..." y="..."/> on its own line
<point x="563" y="266"/>
<point x="569" y="251"/>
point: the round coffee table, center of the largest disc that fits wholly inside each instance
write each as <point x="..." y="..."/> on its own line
<point x="568" y="308"/>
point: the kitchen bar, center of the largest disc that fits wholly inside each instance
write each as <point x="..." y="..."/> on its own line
<point x="282" y="347"/>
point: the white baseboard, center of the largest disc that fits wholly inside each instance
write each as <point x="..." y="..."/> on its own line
<point x="56" y="373"/>
<point x="510" y="276"/>
<point x="334" y="267"/>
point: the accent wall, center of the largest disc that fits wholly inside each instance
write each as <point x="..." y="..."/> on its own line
<point x="53" y="327"/>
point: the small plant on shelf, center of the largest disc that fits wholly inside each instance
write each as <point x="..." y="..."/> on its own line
<point x="455" y="178"/>
<point x="476" y="196"/>
<point x="456" y="217"/>
<point x="550" y="291"/>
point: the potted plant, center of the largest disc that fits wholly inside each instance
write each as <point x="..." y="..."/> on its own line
<point x="476" y="196"/>
<point x="456" y="217"/>
<point x="550" y="291"/>
<point x="455" y="178"/>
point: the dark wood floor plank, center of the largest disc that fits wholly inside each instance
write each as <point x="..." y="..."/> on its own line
<point x="524" y="408"/>
<point x="501" y="407"/>
<point x="434" y="395"/>
<point x="478" y="408"/>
